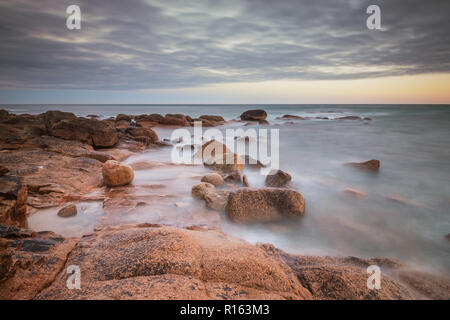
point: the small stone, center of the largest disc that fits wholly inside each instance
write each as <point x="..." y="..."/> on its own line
<point x="198" y="191"/>
<point x="213" y="178"/>
<point x="68" y="211"/>
<point x="245" y="180"/>
<point x="278" y="179"/>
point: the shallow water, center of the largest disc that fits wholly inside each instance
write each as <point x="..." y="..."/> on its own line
<point x="412" y="143"/>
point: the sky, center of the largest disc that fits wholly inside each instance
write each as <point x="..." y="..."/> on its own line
<point x="230" y="51"/>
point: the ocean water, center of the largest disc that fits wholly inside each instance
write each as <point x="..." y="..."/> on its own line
<point x="411" y="141"/>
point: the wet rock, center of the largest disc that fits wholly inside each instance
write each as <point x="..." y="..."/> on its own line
<point x="263" y="205"/>
<point x="278" y="179"/>
<point x="213" y="178"/>
<point x="205" y="122"/>
<point x="198" y="191"/>
<point x="245" y="180"/>
<point x="254" y="115"/>
<point x="216" y="199"/>
<point x="124" y="117"/>
<point x="168" y="263"/>
<point x="371" y="165"/>
<point x="3" y="170"/>
<point x="68" y="211"/>
<point x="116" y="174"/>
<point x="147" y="135"/>
<point x="13" y="232"/>
<point x="99" y="134"/>
<point x="290" y="117"/>
<point x="53" y="117"/>
<point x="154" y="117"/>
<point x="234" y="177"/>
<point x="212" y="118"/>
<point x="174" y="119"/>
<point x="13" y="200"/>
<point x="4" y="115"/>
<point x="217" y="156"/>
<point x="349" y="118"/>
<point x="355" y="193"/>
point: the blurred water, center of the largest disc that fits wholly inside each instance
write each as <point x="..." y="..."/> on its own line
<point x="412" y="143"/>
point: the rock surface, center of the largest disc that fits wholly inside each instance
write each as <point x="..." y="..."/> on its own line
<point x="198" y="190"/>
<point x="213" y="178"/>
<point x="371" y="165"/>
<point x="217" y="156"/>
<point x="278" y="179"/>
<point x="116" y="174"/>
<point x="68" y="211"/>
<point x="254" y="115"/>
<point x="247" y="205"/>
<point x="13" y="199"/>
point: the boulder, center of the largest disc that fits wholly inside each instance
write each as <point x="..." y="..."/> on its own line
<point x="263" y="205"/>
<point x="146" y="135"/>
<point x="198" y="191"/>
<point x="371" y="165"/>
<point x="278" y="179"/>
<point x="212" y="118"/>
<point x="53" y="117"/>
<point x="4" y="115"/>
<point x="124" y="117"/>
<point x="254" y="115"/>
<point x="69" y="210"/>
<point x="245" y="180"/>
<point x="174" y="119"/>
<point x="216" y="199"/>
<point x="99" y="134"/>
<point x="117" y="174"/>
<point x="216" y="155"/>
<point x="213" y="178"/>
<point x="13" y="201"/>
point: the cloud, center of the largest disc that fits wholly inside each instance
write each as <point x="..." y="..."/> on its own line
<point x="149" y="44"/>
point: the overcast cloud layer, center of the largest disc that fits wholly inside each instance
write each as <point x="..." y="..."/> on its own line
<point x="146" y="44"/>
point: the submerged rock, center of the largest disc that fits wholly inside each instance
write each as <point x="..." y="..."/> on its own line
<point x="355" y="193"/>
<point x="69" y="210"/>
<point x="290" y="117"/>
<point x="278" y="179"/>
<point x="371" y="165"/>
<point x="116" y="174"/>
<point x="254" y="115"/>
<point x="263" y="205"/>
<point x="245" y="180"/>
<point x="213" y="178"/>
<point x="198" y="191"/>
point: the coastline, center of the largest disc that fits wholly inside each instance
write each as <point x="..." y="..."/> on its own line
<point x="57" y="158"/>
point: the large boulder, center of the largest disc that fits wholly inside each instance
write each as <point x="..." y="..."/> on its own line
<point x="263" y="205"/>
<point x="100" y="134"/>
<point x="371" y="165"/>
<point x="254" y="115"/>
<point x="174" y="119"/>
<point x="213" y="178"/>
<point x="13" y="201"/>
<point x="217" y="156"/>
<point x="145" y="135"/>
<point x="116" y="174"/>
<point x="278" y="179"/>
<point x="53" y="117"/>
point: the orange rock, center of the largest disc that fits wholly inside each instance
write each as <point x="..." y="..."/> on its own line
<point x="116" y="174"/>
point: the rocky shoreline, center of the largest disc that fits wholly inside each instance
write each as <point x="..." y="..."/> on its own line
<point x="57" y="159"/>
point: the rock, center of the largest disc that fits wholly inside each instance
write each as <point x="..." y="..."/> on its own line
<point x="349" y="118"/>
<point x="371" y="165"/>
<point x="254" y="115"/>
<point x="216" y="199"/>
<point x="213" y="178"/>
<point x="147" y="135"/>
<point x="278" y="179"/>
<point x="234" y="176"/>
<point x="68" y="211"/>
<point x="205" y="122"/>
<point x="263" y="205"/>
<point x="174" y="119"/>
<point x="13" y="201"/>
<point x="117" y="174"/>
<point x="216" y="155"/>
<point x="124" y="117"/>
<point x="100" y="134"/>
<point x="245" y="180"/>
<point x="213" y="118"/>
<point x="3" y="170"/>
<point x="263" y="122"/>
<point x="198" y="191"/>
<point x="290" y="117"/>
<point x="53" y="117"/>
<point x="249" y="161"/>
<point x="154" y="117"/>
<point x="4" y="115"/>
<point x="355" y="193"/>
<point x="173" y="263"/>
